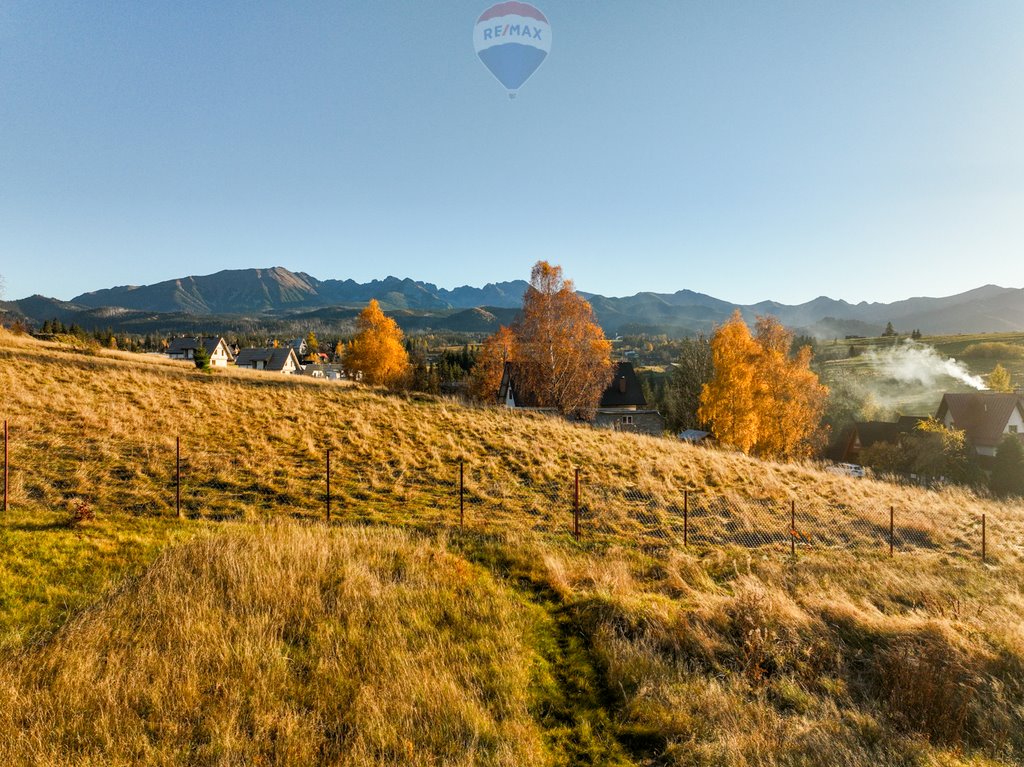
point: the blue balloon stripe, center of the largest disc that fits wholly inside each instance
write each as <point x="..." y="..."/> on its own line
<point x="512" y="63"/>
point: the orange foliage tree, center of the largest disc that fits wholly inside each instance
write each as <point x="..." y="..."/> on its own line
<point x="727" y="401"/>
<point x="485" y="379"/>
<point x="790" y="398"/>
<point x="562" y="358"/>
<point x="377" y="349"/>
<point x="763" y="399"/>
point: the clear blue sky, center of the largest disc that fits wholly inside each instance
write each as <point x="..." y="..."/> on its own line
<point x="864" y="150"/>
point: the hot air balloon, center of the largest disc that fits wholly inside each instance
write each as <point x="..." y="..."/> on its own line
<point x="512" y="39"/>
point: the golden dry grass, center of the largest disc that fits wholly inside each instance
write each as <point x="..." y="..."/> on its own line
<point x="735" y="659"/>
<point x="102" y="428"/>
<point x="287" y="645"/>
<point x="239" y="648"/>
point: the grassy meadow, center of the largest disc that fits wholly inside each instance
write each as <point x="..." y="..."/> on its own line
<point x="850" y="362"/>
<point x="252" y="631"/>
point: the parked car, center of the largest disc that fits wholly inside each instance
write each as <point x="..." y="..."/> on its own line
<point x="848" y="469"/>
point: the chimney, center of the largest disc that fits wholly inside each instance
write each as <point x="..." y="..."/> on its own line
<point x="622" y="384"/>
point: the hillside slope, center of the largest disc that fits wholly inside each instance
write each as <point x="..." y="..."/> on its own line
<point x="264" y="635"/>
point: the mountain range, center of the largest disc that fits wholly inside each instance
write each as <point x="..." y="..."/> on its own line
<point x="235" y="299"/>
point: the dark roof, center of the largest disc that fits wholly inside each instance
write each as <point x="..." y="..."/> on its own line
<point x="870" y="432"/>
<point x="625" y="389"/>
<point x="508" y="381"/>
<point x="910" y="422"/>
<point x="982" y="414"/>
<point x="273" y="359"/>
<point x="182" y="345"/>
<point x="864" y="434"/>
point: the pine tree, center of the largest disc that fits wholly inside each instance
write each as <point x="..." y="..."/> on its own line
<point x="201" y="357"/>
<point x="1008" y="468"/>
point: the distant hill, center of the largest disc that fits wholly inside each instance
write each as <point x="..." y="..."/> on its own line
<point x="248" y="297"/>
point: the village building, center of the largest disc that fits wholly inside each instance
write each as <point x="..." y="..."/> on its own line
<point x="986" y="417"/>
<point x="864" y="434"/>
<point x="282" y="360"/>
<point x="622" y="406"/>
<point x="324" y="371"/>
<point x="219" y="352"/>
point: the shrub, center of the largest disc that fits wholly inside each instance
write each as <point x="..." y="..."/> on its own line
<point x="992" y="350"/>
<point x="1008" y="468"/>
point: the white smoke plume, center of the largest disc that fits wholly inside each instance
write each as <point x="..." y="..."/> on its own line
<point x="913" y="363"/>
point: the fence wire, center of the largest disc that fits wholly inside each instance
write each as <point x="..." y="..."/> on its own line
<point x="160" y="475"/>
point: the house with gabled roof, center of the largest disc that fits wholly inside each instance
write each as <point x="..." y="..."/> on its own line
<point x="864" y="434"/>
<point x="985" y="416"/>
<point x="512" y="394"/>
<point x="280" y="360"/>
<point x="216" y="348"/>
<point x="623" y="406"/>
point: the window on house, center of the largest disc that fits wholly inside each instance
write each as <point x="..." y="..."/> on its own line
<point x="627" y="419"/>
<point x="1013" y="429"/>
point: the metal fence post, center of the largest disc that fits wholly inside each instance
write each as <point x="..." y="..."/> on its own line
<point x="576" y="507"/>
<point x="892" y="528"/>
<point x="792" y="528"/>
<point x="328" y="484"/>
<point x="7" y="463"/>
<point x="686" y="517"/>
<point x="177" y="476"/>
<point x="462" y="494"/>
<point x="984" y="540"/>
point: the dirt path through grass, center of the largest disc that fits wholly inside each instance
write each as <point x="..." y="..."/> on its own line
<point x="574" y="706"/>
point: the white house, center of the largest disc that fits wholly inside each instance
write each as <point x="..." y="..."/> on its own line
<point x="987" y="417"/>
<point x="216" y="348"/>
<point x="281" y="360"/>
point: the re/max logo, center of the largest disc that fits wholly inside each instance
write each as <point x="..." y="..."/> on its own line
<point x="510" y="30"/>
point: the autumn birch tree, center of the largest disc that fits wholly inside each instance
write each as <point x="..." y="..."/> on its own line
<point x="762" y="398"/>
<point x="789" y="398"/>
<point x="377" y="349"/>
<point x="562" y="357"/>
<point x="728" y="400"/>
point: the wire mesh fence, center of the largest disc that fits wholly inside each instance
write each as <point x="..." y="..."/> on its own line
<point x="192" y="477"/>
